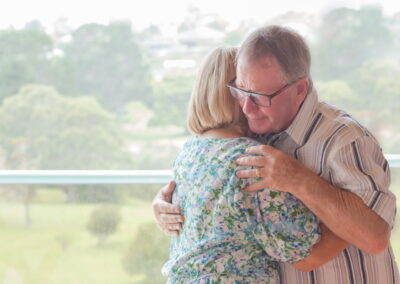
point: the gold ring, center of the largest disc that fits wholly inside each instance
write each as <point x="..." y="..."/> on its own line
<point x="258" y="172"/>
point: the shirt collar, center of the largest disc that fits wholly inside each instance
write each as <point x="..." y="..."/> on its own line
<point x="298" y="128"/>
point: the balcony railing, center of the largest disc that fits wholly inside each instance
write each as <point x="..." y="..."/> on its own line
<point x="105" y="176"/>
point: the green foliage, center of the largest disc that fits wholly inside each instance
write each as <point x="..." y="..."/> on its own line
<point x="25" y="252"/>
<point x="147" y="253"/>
<point x="155" y="156"/>
<point x="377" y="82"/>
<point x="234" y="38"/>
<point x="340" y="94"/>
<point x="23" y="59"/>
<point x="64" y="240"/>
<point x="103" y="222"/>
<point x="357" y="70"/>
<point x="49" y="195"/>
<point x="45" y="260"/>
<point x="347" y="37"/>
<point x="55" y="132"/>
<point x="105" y="62"/>
<point x="18" y="192"/>
<point x="136" y="113"/>
<point x="88" y="193"/>
<point x="171" y="99"/>
<point x="101" y="61"/>
<point x="144" y="192"/>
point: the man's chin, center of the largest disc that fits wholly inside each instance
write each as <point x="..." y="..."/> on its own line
<point x="259" y="129"/>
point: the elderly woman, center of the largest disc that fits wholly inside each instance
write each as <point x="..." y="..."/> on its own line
<point x="230" y="236"/>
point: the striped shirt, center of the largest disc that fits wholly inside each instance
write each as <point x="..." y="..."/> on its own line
<point x="337" y="148"/>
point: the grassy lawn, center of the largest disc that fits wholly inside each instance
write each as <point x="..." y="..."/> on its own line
<point x="57" y="248"/>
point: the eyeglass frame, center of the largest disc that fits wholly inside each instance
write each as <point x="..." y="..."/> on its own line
<point x="250" y="94"/>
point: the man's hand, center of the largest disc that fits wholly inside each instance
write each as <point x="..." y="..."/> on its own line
<point x="342" y="211"/>
<point x="277" y="170"/>
<point x="167" y="215"/>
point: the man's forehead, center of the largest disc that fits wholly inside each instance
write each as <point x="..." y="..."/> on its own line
<point x="246" y="62"/>
<point x="262" y="76"/>
<point x="266" y="67"/>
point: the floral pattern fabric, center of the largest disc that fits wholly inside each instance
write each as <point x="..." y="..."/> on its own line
<point x="229" y="235"/>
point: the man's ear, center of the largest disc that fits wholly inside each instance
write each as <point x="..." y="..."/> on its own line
<point x="302" y="87"/>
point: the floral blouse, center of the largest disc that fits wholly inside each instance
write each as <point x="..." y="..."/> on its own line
<point x="229" y="235"/>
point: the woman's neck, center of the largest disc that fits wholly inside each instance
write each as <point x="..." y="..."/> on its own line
<point x="231" y="132"/>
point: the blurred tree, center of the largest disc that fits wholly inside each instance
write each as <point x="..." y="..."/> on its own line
<point x="218" y="24"/>
<point x="24" y="57"/>
<point x="40" y="129"/>
<point x="378" y="84"/>
<point x="34" y="25"/>
<point x="105" y="62"/>
<point x="135" y="115"/>
<point x="339" y="94"/>
<point x="150" y="32"/>
<point x="171" y="97"/>
<point x="346" y="38"/>
<point x="146" y="254"/>
<point x="103" y="222"/>
<point x="192" y="19"/>
<point x="233" y="38"/>
<point x="394" y="23"/>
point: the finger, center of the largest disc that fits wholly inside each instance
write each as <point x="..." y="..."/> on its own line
<point x="260" y="149"/>
<point x="166" y="191"/>
<point x="249" y="173"/>
<point x="259" y="185"/>
<point x="162" y="207"/>
<point x="171" y="218"/>
<point x="172" y="227"/>
<point x="171" y="233"/>
<point x="257" y="161"/>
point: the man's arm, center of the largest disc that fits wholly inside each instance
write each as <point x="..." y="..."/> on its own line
<point x="346" y="214"/>
<point x="341" y="211"/>
<point x="167" y="215"/>
<point x="326" y="249"/>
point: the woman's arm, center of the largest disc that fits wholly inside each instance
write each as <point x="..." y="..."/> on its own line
<point x="327" y="248"/>
<point x="283" y="226"/>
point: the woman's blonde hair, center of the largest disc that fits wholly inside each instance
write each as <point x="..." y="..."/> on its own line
<point x="211" y="104"/>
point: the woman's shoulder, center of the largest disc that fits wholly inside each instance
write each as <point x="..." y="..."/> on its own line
<point x="224" y="144"/>
<point x="221" y="152"/>
<point x="237" y="146"/>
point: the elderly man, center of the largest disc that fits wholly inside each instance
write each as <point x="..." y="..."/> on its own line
<point x="314" y="151"/>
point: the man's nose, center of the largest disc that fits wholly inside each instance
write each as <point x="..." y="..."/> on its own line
<point x="248" y="105"/>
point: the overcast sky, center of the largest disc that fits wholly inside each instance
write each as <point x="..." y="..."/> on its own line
<point x="161" y="12"/>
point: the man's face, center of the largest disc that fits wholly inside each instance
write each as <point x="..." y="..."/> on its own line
<point x="266" y="77"/>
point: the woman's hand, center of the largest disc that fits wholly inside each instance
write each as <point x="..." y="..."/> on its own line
<point x="168" y="216"/>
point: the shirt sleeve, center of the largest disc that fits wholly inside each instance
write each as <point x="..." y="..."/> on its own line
<point x="361" y="168"/>
<point x="285" y="228"/>
<point x="279" y="222"/>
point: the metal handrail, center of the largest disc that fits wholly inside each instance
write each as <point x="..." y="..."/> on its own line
<point x="105" y="176"/>
<point x="85" y="177"/>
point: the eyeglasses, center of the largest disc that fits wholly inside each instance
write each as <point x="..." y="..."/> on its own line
<point x="259" y="99"/>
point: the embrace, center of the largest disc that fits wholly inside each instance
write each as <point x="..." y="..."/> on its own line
<point x="276" y="186"/>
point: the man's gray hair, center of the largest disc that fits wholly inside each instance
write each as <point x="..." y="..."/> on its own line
<point x="286" y="45"/>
